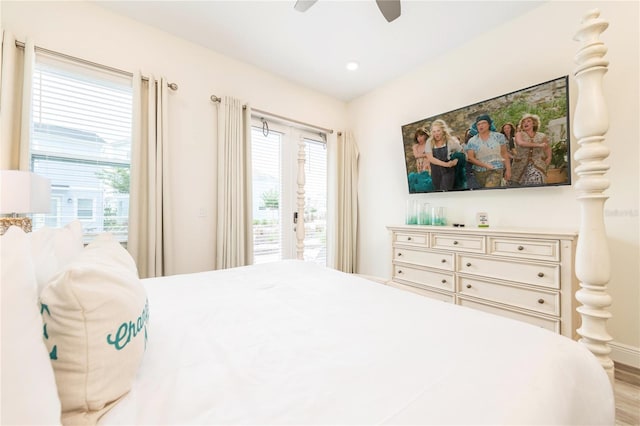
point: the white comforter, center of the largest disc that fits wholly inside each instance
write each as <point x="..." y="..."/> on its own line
<point x="295" y="343"/>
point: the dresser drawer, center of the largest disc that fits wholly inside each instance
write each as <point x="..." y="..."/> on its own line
<point x="422" y="291"/>
<point x="409" y="238"/>
<point x="468" y="243"/>
<point x="424" y="258"/>
<point x="546" y="302"/>
<point x="526" y="249"/>
<point x="439" y="280"/>
<point x="546" y="275"/>
<point x="547" y="323"/>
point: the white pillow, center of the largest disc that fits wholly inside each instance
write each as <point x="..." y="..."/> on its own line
<point x="29" y="394"/>
<point x="53" y="248"/>
<point x="96" y="314"/>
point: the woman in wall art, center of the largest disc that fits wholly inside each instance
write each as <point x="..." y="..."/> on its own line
<point x="509" y="132"/>
<point x="533" y="153"/>
<point x="421" y="136"/>
<point x="441" y="149"/>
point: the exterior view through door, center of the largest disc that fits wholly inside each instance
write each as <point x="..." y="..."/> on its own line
<point x="275" y="153"/>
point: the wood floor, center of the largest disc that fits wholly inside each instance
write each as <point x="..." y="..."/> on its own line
<point x="627" y="394"/>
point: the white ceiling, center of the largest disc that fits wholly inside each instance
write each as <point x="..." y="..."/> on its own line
<point x="312" y="48"/>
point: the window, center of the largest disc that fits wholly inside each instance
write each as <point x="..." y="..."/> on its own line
<point x="81" y="140"/>
<point x="267" y="191"/>
<point x="85" y="208"/>
<point x="51" y="219"/>
<point x="275" y="177"/>
<point x="315" y="203"/>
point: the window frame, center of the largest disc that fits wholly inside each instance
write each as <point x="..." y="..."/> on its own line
<point x="291" y="135"/>
<point x="71" y="102"/>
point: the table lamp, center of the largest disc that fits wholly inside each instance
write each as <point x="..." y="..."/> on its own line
<point x="22" y="192"/>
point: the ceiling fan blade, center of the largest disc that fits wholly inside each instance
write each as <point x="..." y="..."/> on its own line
<point x="390" y="8"/>
<point x="303" y="5"/>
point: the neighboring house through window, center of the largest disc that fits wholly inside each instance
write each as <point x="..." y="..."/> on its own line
<point x="81" y="140"/>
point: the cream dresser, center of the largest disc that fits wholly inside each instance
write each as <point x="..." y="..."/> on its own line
<point x="522" y="274"/>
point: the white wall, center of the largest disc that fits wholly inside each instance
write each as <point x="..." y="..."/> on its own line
<point x="532" y="49"/>
<point x="87" y="31"/>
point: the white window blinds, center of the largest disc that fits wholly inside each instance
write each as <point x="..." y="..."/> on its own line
<point x="315" y="203"/>
<point x="266" y="153"/>
<point x="81" y="131"/>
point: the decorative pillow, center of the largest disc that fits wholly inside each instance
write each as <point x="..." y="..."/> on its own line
<point x="28" y="390"/>
<point x="95" y="314"/>
<point x="53" y="248"/>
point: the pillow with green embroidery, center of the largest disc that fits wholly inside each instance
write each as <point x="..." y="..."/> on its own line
<point x="95" y="316"/>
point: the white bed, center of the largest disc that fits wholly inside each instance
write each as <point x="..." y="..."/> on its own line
<point x="295" y="343"/>
<point x="289" y="342"/>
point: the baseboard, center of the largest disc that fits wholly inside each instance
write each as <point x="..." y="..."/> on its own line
<point x="625" y="354"/>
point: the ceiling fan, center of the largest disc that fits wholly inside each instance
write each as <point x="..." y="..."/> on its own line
<point x="390" y="8"/>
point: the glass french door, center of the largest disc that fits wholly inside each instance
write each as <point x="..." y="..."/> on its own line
<point x="283" y="157"/>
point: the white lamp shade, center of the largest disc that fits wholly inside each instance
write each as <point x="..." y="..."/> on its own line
<point x="24" y="192"/>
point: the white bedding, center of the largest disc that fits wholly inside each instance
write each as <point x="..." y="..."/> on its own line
<point x="295" y="343"/>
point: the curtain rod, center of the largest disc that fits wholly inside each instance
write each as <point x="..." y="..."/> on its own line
<point x="20" y="44"/>
<point x="216" y="99"/>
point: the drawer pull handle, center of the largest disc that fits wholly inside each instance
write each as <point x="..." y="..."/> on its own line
<point x="455" y="243"/>
<point x="444" y="281"/>
<point x="520" y="248"/>
<point x="399" y="254"/>
<point x="399" y="271"/>
<point x="408" y="238"/>
<point x="540" y="274"/>
<point x="541" y="301"/>
<point x="444" y="261"/>
<point x="468" y="264"/>
<point x="468" y="285"/>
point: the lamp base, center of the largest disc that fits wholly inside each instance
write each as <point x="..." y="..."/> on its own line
<point x="22" y="222"/>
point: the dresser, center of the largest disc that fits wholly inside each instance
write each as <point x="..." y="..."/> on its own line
<point x="521" y="274"/>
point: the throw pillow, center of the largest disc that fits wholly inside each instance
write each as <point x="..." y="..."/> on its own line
<point x="29" y="394"/>
<point x="95" y="313"/>
<point x="53" y="248"/>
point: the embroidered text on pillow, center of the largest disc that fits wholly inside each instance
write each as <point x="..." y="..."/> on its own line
<point x="129" y="330"/>
<point x="54" y="352"/>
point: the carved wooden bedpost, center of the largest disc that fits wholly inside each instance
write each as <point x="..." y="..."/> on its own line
<point x="590" y="123"/>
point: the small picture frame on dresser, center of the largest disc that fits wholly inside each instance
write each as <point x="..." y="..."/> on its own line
<point x="482" y="219"/>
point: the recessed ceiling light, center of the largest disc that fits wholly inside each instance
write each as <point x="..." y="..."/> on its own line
<point x="352" y="66"/>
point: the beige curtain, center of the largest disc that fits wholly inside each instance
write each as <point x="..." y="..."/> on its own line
<point x="27" y="91"/>
<point x="15" y="102"/>
<point x="345" y="226"/>
<point x="150" y="239"/>
<point x="234" y="230"/>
